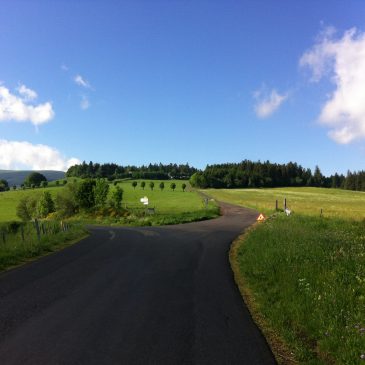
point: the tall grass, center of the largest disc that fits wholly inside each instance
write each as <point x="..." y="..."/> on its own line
<point x="14" y="250"/>
<point x="307" y="276"/>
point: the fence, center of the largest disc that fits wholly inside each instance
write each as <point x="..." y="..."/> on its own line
<point x="24" y="231"/>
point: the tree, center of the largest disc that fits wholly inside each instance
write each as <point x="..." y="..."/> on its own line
<point x="162" y="185"/>
<point x="117" y="197"/>
<point x="44" y="184"/>
<point x="85" y="196"/>
<point x="35" y="178"/>
<point x="134" y="184"/>
<point x="101" y="190"/>
<point x="317" y="177"/>
<point x="14" y="187"/>
<point x="183" y="186"/>
<point x="4" y="186"/>
<point x="143" y="184"/>
<point x="199" y="180"/>
<point x="64" y="182"/>
<point x="152" y="185"/>
<point x="26" y="208"/>
<point x="173" y="186"/>
<point x="57" y="183"/>
<point x="45" y="205"/>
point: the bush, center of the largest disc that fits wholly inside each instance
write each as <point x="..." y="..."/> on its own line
<point x="101" y="190"/>
<point x="85" y="195"/>
<point x="26" y="208"/>
<point x="45" y="205"/>
<point x="117" y="197"/>
<point x="66" y="205"/>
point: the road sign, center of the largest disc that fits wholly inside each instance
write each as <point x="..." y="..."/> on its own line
<point x="144" y="200"/>
<point x="261" y="218"/>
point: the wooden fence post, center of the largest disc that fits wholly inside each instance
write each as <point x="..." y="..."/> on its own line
<point x="284" y="203"/>
<point x="4" y="237"/>
<point x="37" y="229"/>
<point x="276" y="205"/>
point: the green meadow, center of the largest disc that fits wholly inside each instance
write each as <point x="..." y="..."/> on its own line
<point x="303" y="275"/>
<point x="166" y="203"/>
<point x="10" y="199"/>
<point x="309" y="201"/>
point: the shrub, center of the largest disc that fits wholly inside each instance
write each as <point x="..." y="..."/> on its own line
<point x="66" y="204"/>
<point x="26" y="208"/>
<point x="85" y="195"/>
<point x="117" y="197"/>
<point x="45" y="205"/>
<point x="101" y="190"/>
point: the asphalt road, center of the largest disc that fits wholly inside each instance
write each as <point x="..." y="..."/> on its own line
<point x="161" y="295"/>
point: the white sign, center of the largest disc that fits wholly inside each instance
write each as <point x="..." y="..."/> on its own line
<point x="144" y="200"/>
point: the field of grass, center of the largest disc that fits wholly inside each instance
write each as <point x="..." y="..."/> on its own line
<point x="303" y="276"/>
<point x="10" y="199"/>
<point x="170" y="206"/>
<point x="309" y="201"/>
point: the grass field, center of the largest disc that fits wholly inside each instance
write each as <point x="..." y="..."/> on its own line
<point x="303" y="276"/>
<point x="187" y="205"/>
<point x="10" y="199"/>
<point x="309" y="201"/>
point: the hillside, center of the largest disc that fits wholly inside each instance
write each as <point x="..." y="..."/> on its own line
<point x="16" y="177"/>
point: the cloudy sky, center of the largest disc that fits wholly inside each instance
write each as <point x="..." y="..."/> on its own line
<point x="135" y="82"/>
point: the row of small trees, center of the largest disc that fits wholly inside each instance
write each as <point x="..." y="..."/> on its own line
<point x="86" y="195"/>
<point x="161" y="185"/>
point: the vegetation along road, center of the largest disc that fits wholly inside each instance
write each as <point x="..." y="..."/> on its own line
<point x="151" y="295"/>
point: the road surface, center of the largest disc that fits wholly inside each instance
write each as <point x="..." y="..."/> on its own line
<point x="154" y="295"/>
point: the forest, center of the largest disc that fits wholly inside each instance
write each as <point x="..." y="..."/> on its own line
<point x="113" y="171"/>
<point x="249" y="174"/>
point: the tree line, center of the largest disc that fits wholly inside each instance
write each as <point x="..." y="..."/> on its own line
<point x="249" y="174"/>
<point x="113" y="171"/>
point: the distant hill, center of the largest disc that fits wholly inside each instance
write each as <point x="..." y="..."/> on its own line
<point x="14" y="177"/>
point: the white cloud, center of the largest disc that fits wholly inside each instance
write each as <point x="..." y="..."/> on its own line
<point x="26" y="93"/>
<point x="343" y="60"/>
<point x="79" y="80"/>
<point x="64" y="67"/>
<point x="18" y="108"/>
<point x="24" y="155"/>
<point x="268" y="103"/>
<point x="85" y="103"/>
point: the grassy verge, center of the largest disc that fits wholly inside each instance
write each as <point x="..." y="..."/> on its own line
<point x="304" y="277"/>
<point x="15" y="250"/>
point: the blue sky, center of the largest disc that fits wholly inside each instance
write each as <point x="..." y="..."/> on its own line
<point x="202" y="82"/>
